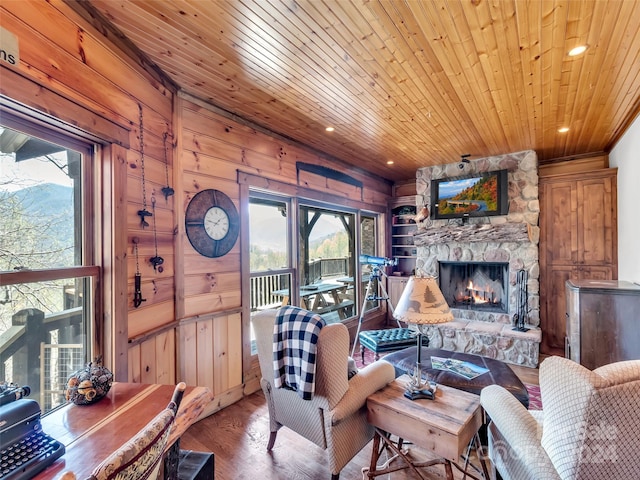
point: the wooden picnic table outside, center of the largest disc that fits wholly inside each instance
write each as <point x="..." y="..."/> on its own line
<point x="320" y="298"/>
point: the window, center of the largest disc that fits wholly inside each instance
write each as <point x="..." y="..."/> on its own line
<point x="368" y="246"/>
<point x="326" y="244"/>
<point x="48" y="273"/>
<point x="321" y="256"/>
<point x="269" y="254"/>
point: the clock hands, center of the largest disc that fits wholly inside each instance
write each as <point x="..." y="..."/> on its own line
<point x="214" y="223"/>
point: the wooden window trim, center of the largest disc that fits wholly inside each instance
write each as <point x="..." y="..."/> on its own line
<point x="48" y="108"/>
<point x="34" y="276"/>
<point x="40" y="107"/>
<point x="303" y="193"/>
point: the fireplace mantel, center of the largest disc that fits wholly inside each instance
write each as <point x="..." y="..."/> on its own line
<point x="502" y="232"/>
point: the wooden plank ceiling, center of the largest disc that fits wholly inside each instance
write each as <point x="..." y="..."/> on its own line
<point x="415" y="82"/>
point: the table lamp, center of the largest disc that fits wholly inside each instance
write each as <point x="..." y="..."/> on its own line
<point x="421" y="303"/>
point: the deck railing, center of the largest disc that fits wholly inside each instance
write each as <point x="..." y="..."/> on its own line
<point x="263" y="286"/>
<point x="21" y="346"/>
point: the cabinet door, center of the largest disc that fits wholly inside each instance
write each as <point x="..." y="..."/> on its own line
<point x="559" y="238"/>
<point x="594" y="272"/>
<point x="596" y="221"/>
<point x="395" y="287"/>
<point x="553" y="323"/>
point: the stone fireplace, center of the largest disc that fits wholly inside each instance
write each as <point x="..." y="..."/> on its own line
<point x="488" y="250"/>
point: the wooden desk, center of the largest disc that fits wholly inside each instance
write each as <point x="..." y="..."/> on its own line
<point x="445" y="426"/>
<point x="91" y="432"/>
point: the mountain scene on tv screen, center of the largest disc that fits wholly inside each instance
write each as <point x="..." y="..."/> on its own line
<point x="460" y="197"/>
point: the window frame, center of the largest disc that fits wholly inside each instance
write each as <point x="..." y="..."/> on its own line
<point x="253" y="184"/>
<point x="89" y="218"/>
<point x="289" y="269"/>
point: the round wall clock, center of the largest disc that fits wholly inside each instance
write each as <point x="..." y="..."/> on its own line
<point x="212" y="223"/>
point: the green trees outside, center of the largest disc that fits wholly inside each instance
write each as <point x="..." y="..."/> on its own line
<point x="332" y="246"/>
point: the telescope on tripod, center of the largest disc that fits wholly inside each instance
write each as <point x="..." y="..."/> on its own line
<point x="375" y="278"/>
<point x="379" y="261"/>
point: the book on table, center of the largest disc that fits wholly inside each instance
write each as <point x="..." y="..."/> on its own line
<point x="465" y="369"/>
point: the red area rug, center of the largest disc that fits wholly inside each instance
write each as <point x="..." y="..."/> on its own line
<point x="535" y="402"/>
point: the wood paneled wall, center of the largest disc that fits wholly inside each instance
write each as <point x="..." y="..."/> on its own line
<point x="193" y="323"/>
<point x="69" y="70"/>
<point x="214" y="320"/>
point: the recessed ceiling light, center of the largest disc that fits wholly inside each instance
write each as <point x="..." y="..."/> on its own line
<point x="563" y="130"/>
<point x="389" y="162"/>
<point x="329" y="129"/>
<point x="580" y="49"/>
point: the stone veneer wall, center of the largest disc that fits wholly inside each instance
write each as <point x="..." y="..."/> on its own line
<point x="511" y="238"/>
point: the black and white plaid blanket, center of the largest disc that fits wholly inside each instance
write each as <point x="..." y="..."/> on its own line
<point x="295" y="338"/>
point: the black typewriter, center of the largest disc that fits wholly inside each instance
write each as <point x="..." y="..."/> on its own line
<point x="25" y="450"/>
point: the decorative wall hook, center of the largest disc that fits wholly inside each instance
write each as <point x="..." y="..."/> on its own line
<point x="156" y="260"/>
<point x="137" y="279"/>
<point x="166" y="191"/>
<point x="144" y="212"/>
<point x="137" y="295"/>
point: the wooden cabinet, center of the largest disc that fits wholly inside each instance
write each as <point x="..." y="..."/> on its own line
<point x="553" y="286"/>
<point x="395" y="287"/>
<point x="602" y="321"/>
<point x="578" y="240"/>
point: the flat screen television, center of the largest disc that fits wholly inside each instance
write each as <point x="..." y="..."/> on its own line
<point x="481" y="195"/>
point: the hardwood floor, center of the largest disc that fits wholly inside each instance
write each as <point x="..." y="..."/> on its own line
<point x="238" y="435"/>
<point x="526" y="374"/>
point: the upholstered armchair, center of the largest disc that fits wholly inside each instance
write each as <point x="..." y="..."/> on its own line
<point x="336" y="417"/>
<point x="589" y="427"/>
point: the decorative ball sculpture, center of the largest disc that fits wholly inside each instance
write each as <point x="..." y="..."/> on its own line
<point x="89" y="384"/>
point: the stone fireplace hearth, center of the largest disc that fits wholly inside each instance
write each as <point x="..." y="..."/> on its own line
<point x="510" y="240"/>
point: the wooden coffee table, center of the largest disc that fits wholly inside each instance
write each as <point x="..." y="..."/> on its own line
<point x="445" y="426"/>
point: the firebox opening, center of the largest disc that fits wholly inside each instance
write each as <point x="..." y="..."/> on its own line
<point x="475" y="285"/>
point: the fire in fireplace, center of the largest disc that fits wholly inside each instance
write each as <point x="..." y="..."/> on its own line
<point x="475" y="285"/>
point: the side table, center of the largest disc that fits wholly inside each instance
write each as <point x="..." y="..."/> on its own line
<point x="446" y="426"/>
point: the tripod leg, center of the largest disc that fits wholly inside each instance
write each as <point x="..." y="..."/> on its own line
<point x="389" y="304"/>
<point x="360" y="318"/>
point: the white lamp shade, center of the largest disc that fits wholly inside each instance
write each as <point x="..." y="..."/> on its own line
<point x="422" y="302"/>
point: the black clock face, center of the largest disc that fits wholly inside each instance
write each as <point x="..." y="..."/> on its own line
<point x="212" y="223"/>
